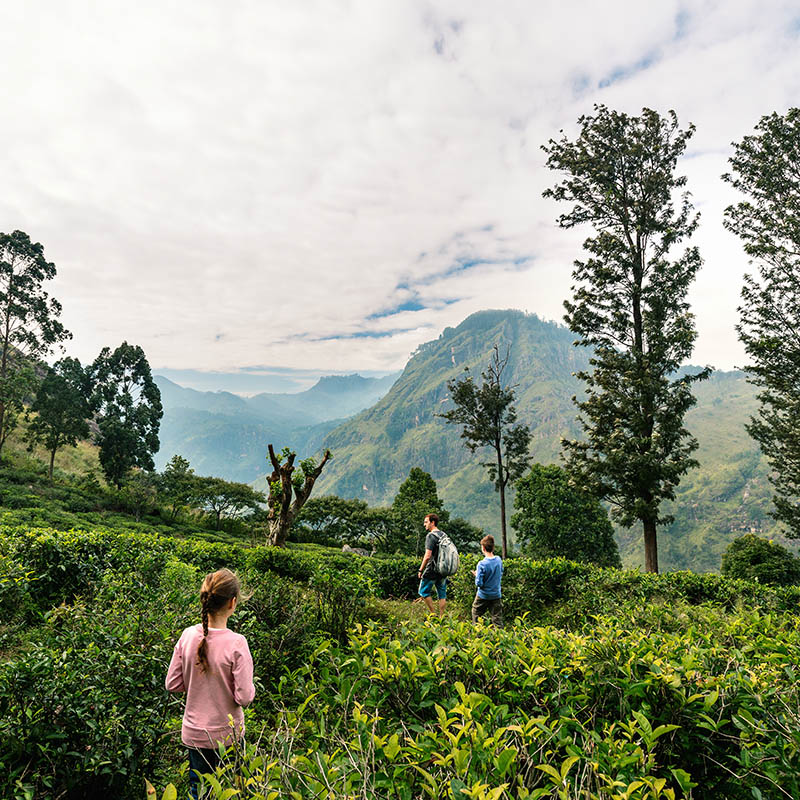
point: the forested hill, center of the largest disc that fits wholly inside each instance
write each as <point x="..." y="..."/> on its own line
<point x="374" y="451"/>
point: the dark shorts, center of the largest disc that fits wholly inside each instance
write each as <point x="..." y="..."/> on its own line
<point x="426" y="587"/>
<point x="494" y="606"/>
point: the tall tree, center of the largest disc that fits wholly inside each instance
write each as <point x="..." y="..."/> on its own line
<point x="629" y="304"/>
<point x="62" y="408"/>
<point x="766" y="167"/>
<point x="416" y="497"/>
<point x="489" y="419"/>
<point x="130" y="412"/>
<point x="29" y="326"/>
<point x="289" y="490"/>
<point x="556" y="518"/>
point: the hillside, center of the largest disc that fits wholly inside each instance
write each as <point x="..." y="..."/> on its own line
<point x="374" y="451"/>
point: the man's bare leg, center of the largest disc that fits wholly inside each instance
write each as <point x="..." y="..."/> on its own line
<point x="429" y="603"/>
<point x="441" y="607"/>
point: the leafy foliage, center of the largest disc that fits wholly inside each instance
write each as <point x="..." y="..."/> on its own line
<point x="415" y="499"/>
<point x="29" y="325"/>
<point x="447" y="710"/>
<point x="129" y="404"/>
<point x="764" y="167"/>
<point x="556" y="518"/>
<point x="629" y="304"/>
<point x="62" y="407"/>
<point x="177" y="484"/>
<point x="225" y="497"/>
<point x="335" y="520"/>
<point x="754" y="558"/>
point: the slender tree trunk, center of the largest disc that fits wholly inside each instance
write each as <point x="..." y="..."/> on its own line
<point x="501" y="485"/>
<point x="650" y="545"/>
<point x="52" y="459"/>
<point x="4" y="363"/>
<point x="503" y="518"/>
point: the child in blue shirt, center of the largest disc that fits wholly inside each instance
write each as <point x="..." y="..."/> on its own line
<point x="487" y="578"/>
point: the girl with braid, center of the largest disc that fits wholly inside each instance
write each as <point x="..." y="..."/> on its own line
<point x="213" y="666"/>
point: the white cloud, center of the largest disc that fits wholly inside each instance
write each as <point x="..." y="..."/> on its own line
<point x="240" y="184"/>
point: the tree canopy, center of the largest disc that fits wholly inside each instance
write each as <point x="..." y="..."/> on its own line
<point x="754" y="558"/>
<point x="130" y="411"/>
<point x="29" y="324"/>
<point x="557" y="518"/>
<point x="630" y="305"/>
<point x="764" y="166"/>
<point x="415" y="499"/>
<point x="226" y="498"/>
<point x="62" y="408"/>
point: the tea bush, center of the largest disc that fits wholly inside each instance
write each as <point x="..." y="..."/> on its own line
<point x="450" y="710"/>
<point x="566" y="593"/>
<point x="83" y="708"/>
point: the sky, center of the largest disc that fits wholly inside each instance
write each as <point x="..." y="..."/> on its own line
<point x="265" y="192"/>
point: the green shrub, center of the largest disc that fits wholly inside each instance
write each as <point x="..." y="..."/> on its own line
<point x="395" y="576"/>
<point x="341" y="593"/>
<point x="83" y="709"/>
<point x="560" y="592"/>
<point x="290" y="564"/>
<point x="278" y="621"/>
<point x="453" y="710"/>
<point x="753" y="558"/>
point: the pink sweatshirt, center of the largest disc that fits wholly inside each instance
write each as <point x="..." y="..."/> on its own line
<point x="224" y="687"/>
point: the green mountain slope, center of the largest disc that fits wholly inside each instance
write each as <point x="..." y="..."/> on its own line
<point x="374" y="451"/>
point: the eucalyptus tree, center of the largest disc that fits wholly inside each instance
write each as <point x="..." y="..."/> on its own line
<point x="630" y="306"/>
<point x="29" y="324"/>
<point x="765" y="166"/>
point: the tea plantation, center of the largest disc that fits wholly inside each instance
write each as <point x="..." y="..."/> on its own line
<point x="609" y="684"/>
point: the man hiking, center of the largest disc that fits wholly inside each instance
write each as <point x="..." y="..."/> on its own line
<point x="427" y="574"/>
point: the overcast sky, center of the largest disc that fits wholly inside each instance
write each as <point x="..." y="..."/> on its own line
<point x="322" y="186"/>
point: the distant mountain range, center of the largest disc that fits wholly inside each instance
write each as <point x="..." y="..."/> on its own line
<point x="227" y="435"/>
<point x="398" y="429"/>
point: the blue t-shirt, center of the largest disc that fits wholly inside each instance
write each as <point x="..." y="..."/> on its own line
<point x="487" y="578"/>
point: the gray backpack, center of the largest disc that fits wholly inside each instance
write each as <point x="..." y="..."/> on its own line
<point x="447" y="557"/>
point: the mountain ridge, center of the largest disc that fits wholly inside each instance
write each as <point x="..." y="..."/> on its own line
<point x="373" y="452"/>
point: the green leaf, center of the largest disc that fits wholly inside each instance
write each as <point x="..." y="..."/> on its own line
<point x="170" y="793"/>
<point x="504" y="760"/>
<point x="683" y="779"/>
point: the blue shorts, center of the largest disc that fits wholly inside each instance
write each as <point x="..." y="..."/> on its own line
<point x="426" y="587"/>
